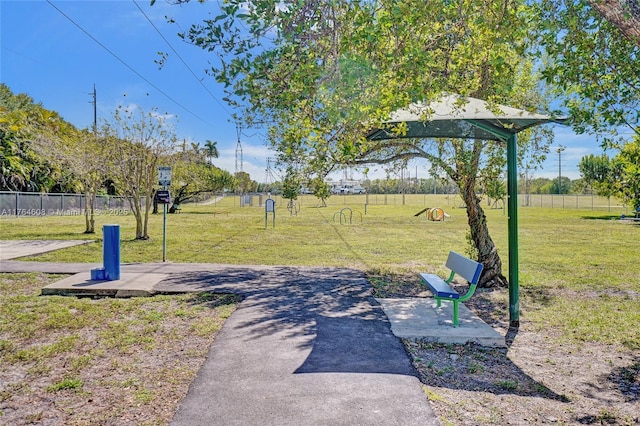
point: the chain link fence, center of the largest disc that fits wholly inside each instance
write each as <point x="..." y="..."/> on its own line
<point x="39" y="204"/>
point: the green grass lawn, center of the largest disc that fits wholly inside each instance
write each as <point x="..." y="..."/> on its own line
<point x="579" y="270"/>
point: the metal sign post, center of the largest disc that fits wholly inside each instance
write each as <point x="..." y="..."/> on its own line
<point x="269" y="207"/>
<point x="164" y="180"/>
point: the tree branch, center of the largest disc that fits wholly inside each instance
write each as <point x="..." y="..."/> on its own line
<point x="623" y="14"/>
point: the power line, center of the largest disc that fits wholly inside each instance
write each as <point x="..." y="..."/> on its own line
<point x="182" y="60"/>
<point x="128" y="66"/>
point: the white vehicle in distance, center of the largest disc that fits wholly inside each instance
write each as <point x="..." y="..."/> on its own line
<point x="349" y="189"/>
<point x="357" y="189"/>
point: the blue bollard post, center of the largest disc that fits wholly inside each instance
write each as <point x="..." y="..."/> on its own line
<point x="111" y="252"/>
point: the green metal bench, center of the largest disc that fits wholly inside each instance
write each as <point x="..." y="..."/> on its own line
<point x="468" y="269"/>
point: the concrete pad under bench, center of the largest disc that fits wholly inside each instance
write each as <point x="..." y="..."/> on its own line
<point x="421" y="318"/>
<point x="129" y="285"/>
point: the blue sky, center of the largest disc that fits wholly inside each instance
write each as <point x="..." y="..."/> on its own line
<point x="47" y="56"/>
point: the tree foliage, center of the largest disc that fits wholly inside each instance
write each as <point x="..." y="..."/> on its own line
<point x="593" y="68"/>
<point x="618" y="176"/>
<point x="600" y="173"/>
<point x="593" y="62"/>
<point x="320" y="189"/>
<point x="211" y="150"/>
<point x="629" y="161"/>
<point x="291" y="184"/>
<point x="81" y="153"/>
<point x="324" y="73"/>
<point x="192" y="175"/>
<point x="22" y="121"/>
<point x="243" y="183"/>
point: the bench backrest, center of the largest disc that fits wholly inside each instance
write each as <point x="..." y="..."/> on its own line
<point x="468" y="269"/>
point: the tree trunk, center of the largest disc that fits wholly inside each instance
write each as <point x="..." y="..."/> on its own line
<point x="486" y="249"/>
<point x="136" y="207"/>
<point x="155" y="203"/>
<point x="89" y="218"/>
<point x="624" y="15"/>
<point x="147" y="210"/>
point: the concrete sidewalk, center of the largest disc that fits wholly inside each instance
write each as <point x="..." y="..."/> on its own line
<point x="12" y="249"/>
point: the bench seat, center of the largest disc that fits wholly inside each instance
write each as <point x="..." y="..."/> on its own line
<point x="439" y="287"/>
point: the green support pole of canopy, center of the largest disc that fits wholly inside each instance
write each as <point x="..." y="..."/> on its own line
<point x="512" y="208"/>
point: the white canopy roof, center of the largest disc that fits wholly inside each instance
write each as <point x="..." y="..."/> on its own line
<point x="455" y="116"/>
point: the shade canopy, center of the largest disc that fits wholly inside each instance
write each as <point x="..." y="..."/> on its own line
<point x="455" y="116"/>
<point x="458" y="117"/>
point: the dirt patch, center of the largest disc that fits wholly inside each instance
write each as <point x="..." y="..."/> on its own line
<point x="541" y="378"/>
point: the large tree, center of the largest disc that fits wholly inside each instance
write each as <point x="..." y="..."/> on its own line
<point x="324" y="73"/>
<point x="618" y="176"/>
<point x="211" y="150"/>
<point x="81" y="153"/>
<point x="192" y="175"/>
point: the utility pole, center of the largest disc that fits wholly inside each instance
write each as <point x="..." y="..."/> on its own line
<point x="95" y="112"/>
<point x="269" y="177"/>
<point x="559" y="151"/>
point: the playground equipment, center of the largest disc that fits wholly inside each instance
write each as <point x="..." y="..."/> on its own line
<point x="435" y="214"/>
<point x="343" y="215"/>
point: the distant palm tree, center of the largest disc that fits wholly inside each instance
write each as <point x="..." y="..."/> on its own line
<point x="211" y="150"/>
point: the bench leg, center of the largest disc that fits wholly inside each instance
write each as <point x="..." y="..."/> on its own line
<point x="438" y="303"/>
<point x="455" y="313"/>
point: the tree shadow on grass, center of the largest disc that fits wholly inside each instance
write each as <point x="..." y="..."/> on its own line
<point x="214" y="214"/>
<point x="475" y="368"/>
<point x="606" y="217"/>
<point x="627" y="380"/>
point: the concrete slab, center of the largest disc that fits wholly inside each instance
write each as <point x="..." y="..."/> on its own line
<point x="421" y="318"/>
<point x="12" y="249"/>
<point x="129" y="285"/>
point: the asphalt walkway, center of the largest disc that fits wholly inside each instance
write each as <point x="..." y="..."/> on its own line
<point x="307" y="346"/>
